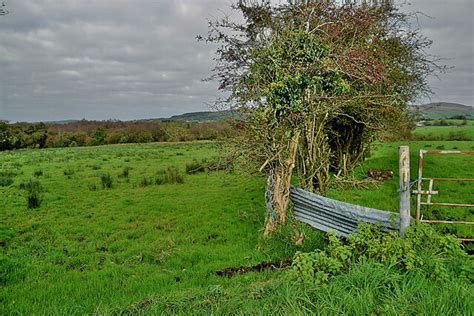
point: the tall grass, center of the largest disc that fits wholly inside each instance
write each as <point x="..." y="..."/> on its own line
<point x="34" y="191"/>
<point x="170" y="175"/>
<point x="106" y="180"/>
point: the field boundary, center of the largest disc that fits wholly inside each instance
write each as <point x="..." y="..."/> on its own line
<point x="430" y="192"/>
<point x="343" y="218"/>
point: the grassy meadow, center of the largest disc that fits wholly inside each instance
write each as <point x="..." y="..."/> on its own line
<point x="446" y="133"/>
<point x="141" y="247"/>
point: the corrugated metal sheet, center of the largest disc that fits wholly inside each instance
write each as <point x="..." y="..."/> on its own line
<point x="340" y="217"/>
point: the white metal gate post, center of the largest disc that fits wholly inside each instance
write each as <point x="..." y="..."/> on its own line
<point x="404" y="173"/>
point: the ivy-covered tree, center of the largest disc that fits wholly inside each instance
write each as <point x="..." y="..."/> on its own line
<point x="319" y="81"/>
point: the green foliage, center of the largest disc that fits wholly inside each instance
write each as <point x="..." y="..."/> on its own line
<point x="422" y="249"/>
<point x="334" y="75"/>
<point x="91" y="133"/>
<point x="106" y="180"/>
<point x="99" y="136"/>
<point x="34" y="191"/>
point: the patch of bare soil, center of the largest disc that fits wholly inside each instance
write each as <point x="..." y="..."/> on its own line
<point x="229" y="272"/>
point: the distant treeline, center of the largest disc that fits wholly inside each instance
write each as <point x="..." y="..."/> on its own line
<point x="92" y="133"/>
<point x="453" y="121"/>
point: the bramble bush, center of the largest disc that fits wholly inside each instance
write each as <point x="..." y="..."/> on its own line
<point x="422" y="249"/>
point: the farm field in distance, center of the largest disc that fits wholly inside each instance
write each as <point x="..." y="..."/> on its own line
<point x="140" y="247"/>
<point x="448" y="133"/>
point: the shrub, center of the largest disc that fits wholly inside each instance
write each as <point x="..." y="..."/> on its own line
<point x="92" y="187"/>
<point x="5" y="181"/>
<point x="106" y="180"/>
<point x="34" y="191"/>
<point x="423" y="249"/>
<point x="38" y="173"/>
<point x="169" y="176"/>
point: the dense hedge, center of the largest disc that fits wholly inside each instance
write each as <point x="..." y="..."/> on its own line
<point x="92" y="133"/>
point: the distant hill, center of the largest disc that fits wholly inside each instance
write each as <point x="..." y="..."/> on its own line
<point x="205" y="116"/>
<point x="202" y="116"/>
<point x="443" y="110"/>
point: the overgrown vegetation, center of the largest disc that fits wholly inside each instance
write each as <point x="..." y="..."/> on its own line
<point x="319" y="82"/>
<point x="422" y="250"/>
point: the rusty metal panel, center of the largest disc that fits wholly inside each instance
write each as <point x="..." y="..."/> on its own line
<point x="342" y="218"/>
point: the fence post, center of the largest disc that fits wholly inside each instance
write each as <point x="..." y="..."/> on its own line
<point x="404" y="172"/>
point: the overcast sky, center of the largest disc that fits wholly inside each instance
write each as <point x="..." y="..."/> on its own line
<point x="119" y="59"/>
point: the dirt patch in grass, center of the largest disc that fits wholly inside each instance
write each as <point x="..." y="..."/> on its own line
<point x="229" y="272"/>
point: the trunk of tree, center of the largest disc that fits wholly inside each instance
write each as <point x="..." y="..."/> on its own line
<point x="314" y="156"/>
<point x="278" y="187"/>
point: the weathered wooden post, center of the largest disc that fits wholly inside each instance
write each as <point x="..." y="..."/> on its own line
<point x="404" y="170"/>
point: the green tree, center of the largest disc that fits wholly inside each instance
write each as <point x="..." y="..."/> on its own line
<point x="99" y="136"/>
<point x="319" y="82"/>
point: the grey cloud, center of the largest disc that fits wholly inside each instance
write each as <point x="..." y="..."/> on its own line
<point x="62" y="59"/>
<point x="450" y="24"/>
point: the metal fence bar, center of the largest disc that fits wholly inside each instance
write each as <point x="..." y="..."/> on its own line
<point x="446" y="204"/>
<point x="466" y="239"/>
<point x="420" y="179"/>
<point x="436" y="221"/>
<point x="430" y="188"/>
<point x="449" y="179"/>
<point x="424" y="151"/>
<point x="426" y="192"/>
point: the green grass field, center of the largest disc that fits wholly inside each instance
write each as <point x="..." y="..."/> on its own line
<point x="445" y="133"/>
<point x="144" y="248"/>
